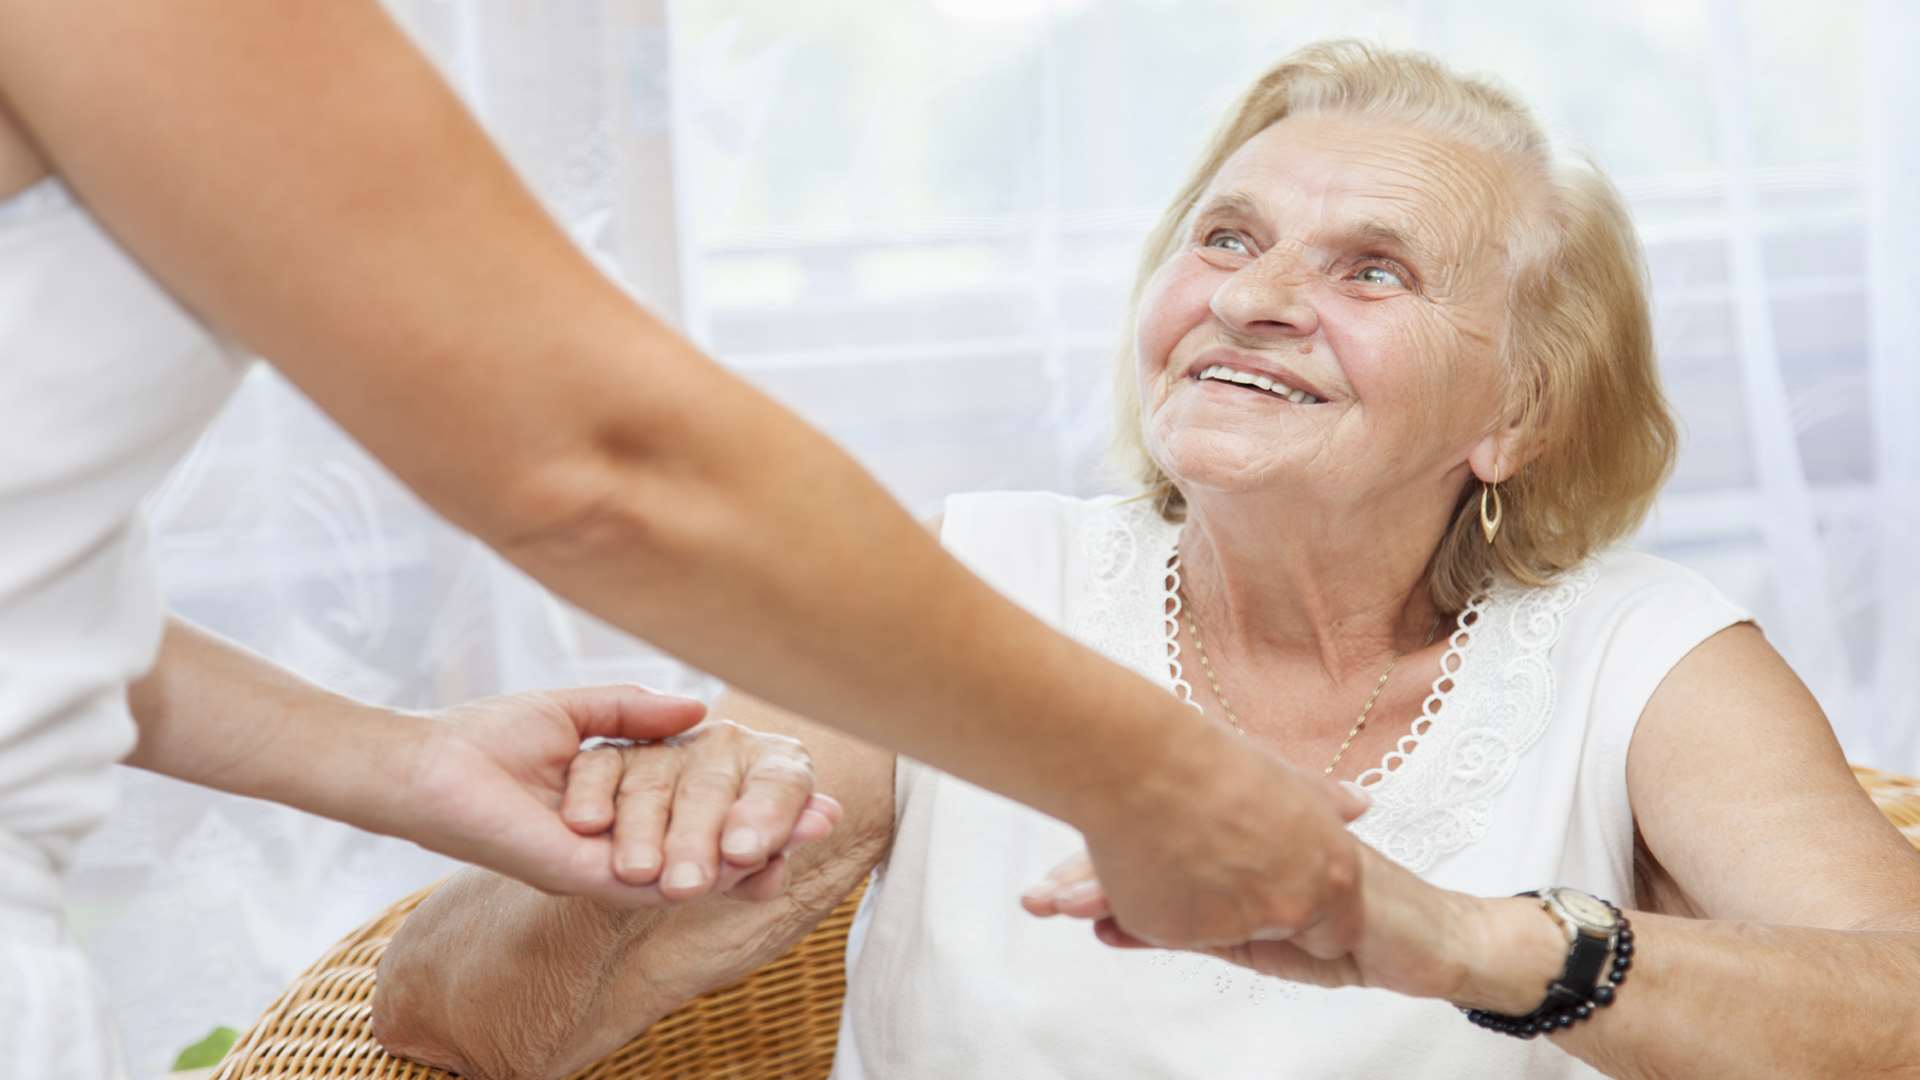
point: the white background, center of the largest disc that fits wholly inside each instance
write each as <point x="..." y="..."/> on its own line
<point x="915" y="222"/>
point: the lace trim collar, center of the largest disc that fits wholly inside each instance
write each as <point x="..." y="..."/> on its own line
<point x="1490" y="701"/>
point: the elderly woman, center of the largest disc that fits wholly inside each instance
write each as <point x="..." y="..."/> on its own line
<point x="1391" y="389"/>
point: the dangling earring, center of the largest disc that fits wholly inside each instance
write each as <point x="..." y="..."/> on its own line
<point x="1490" y="522"/>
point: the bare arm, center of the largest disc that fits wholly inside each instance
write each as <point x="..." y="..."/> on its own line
<point x="495" y="980"/>
<point x="484" y="781"/>
<point x="1787" y="936"/>
<point x="1784" y="935"/>
<point x="299" y="175"/>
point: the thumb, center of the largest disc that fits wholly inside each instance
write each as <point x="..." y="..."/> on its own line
<point x="627" y="711"/>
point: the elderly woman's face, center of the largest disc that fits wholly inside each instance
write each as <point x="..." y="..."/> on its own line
<point x="1353" y="266"/>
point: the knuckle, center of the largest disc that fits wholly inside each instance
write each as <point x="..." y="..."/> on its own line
<point x="1343" y="877"/>
<point x="784" y="770"/>
<point x="645" y="786"/>
<point x="776" y="742"/>
<point x="709" y="782"/>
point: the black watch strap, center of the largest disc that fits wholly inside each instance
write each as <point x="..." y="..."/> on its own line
<point x="1586" y="959"/>
<point x="1581" y="988"/>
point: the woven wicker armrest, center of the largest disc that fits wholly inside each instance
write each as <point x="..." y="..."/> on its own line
<point x="780" y="1022"/>
<point x="1897" y="796"/>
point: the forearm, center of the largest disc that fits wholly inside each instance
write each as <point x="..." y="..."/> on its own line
<point x="755" y="549"/>
<point x="338" y="211"/>
<point x="214" y="714"/>
<point x="1709" y="998"/>
<point x="493" y="979"/>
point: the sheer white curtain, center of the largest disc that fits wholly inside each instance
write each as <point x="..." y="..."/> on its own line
<point x="915" y="222"/>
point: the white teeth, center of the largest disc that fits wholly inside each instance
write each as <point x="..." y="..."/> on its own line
<point x="1224" y="373"/>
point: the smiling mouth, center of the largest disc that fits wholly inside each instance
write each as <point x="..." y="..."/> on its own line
<point x="1257" y="383"/>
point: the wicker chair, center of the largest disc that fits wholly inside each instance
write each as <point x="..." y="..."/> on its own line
<point x="779" y="1024"/>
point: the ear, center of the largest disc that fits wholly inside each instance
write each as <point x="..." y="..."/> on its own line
<point x="1500" y="453"/>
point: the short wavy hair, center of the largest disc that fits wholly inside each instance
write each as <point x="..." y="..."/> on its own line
<point x="1576" y="345"/>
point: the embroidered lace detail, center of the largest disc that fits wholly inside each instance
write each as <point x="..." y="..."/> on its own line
<point x="1443" y="684"/>
<point x="1127" y="547"/>
<point x="1170" y="631"/>
<point x="1495" y="685"/>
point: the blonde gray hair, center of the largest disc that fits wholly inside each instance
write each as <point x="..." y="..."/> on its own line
<point x="1576" y="347"/>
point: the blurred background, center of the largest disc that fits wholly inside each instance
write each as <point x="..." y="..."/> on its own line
<point x="915" y="221"/>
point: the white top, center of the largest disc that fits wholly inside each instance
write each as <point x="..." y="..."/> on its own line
<point x="105" y="382"/>
<point x="1513" y="779"/>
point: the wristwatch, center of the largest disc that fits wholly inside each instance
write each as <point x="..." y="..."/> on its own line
<point x="1592" y="926"/>
<point x="1596" y="933"/>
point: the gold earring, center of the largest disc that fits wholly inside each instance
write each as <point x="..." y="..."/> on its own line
<point x="1490" y="523"/>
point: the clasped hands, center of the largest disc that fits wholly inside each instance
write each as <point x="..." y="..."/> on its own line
<point x="671" y="809"/>
<point x="1226" y="851"/>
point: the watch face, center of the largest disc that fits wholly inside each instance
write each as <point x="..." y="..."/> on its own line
<point x="1585" y="910"/>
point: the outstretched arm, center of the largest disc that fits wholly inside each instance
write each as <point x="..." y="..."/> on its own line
<point x="483" y="781"/>
<point x="300" y="176"/>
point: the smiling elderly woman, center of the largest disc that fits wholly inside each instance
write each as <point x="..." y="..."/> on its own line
<point x="1392" y="393"/>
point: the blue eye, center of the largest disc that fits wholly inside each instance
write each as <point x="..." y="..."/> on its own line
<point x="1379" y="275"/>
<point x="1227" y="241"/>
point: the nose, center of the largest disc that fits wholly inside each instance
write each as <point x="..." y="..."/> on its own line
<point x="1267" y="298"/>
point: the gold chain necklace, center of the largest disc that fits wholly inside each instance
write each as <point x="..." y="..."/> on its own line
<point x="1193" y="631"/>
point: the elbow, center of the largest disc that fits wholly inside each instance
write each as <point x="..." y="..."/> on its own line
<point x="407" y="1024"/>
<point x="479" y="1013"/>
<point x="566" y="522"/>
<point x="406" y="1020"/>
<point x="403" y="1030"/>
<point x="411" y="1018"/>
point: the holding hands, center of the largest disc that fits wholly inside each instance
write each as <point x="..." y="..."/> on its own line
<point x="671" y="812"/>
<point x="712" y="810"/>
<point x="1412" y="937"/>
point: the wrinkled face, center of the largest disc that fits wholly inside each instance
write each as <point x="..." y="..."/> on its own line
<point x="1354" y="266"/>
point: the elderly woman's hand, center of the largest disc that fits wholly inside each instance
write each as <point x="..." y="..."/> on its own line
<point x="1415" y="938"/>
<point x="712" y="810"/>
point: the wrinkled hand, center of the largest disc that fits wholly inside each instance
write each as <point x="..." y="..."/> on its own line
<point x="488" y="780"/>
<point x="713" y="810"/>
<point x="1224" y="843"/>
<point x="1414" y="938"/>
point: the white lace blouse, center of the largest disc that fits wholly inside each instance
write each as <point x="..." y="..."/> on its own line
<point x="1512" y="776"/>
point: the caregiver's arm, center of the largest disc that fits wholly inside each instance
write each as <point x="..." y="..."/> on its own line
<point x="485" y="781"/>
<point x="298" y="174"/>
<point x="1787" y="935"/>
<point x="492" y="979"/>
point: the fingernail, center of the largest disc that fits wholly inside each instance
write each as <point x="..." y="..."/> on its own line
<point x="1079" y="892"/>
<point x="644" y="862"/>
<point x="1358" y="791"/>
<point x="1037" y="893"/>
<point x="685" y="875"/>
<point x="741" y="841"/>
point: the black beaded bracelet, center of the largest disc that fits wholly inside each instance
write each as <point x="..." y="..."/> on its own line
<point x="1558" y="1013"/>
